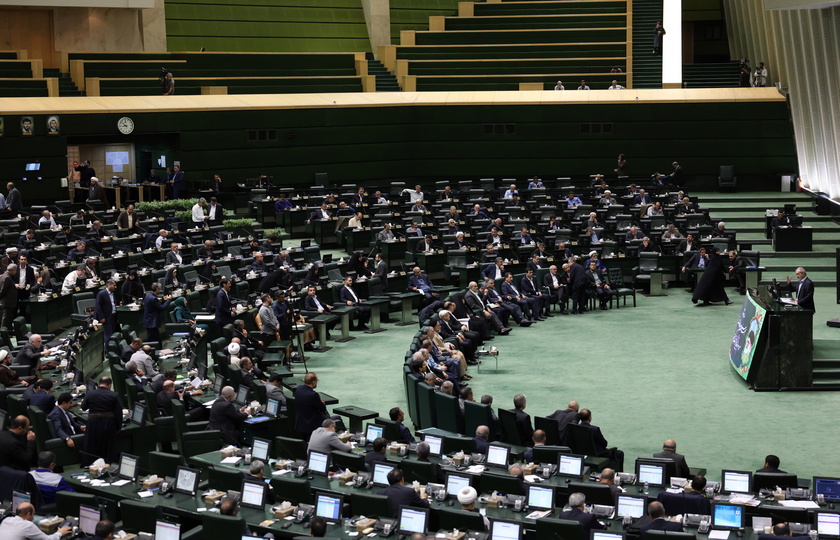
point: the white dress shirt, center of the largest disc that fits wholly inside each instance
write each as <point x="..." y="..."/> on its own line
<point x="197" y="214"/>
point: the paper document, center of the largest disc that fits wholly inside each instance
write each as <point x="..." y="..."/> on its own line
<point x="119" y="483"/>
<point x="799" y="504"/>
<point x="718" y="535"/>
<point x="231" y="460"/>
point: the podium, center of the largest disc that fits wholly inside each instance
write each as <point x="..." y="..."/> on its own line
<point x="773" y="346"/>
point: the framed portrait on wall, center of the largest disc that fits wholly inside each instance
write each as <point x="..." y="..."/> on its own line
<point x="53" y="125"/>
<point x="26" y="127"/>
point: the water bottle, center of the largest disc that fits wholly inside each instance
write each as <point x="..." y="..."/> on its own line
<point x="647" y="488"/>
<point x="346" y="526"/>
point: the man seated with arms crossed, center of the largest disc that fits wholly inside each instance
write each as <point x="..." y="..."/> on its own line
<point x="65" y="424"/>
<point x="21" y="527"/>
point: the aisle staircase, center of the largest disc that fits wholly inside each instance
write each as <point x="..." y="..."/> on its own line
<point x="385" y="80"/>
<point x="66" y="86"/>
<point x="647" y="67"/>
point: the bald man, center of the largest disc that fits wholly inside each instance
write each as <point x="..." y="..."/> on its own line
<point x="17" y="445"/>
<point x="669" y="451"/>
<point x="20" y="526"/>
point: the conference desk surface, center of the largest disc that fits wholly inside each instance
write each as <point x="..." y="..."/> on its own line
<point x="188" y="508"/>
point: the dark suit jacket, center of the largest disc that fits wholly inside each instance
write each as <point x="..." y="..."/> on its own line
<point x="16" y="452"/>
<point x="473" y="303"/>
<point x="310" y="411"/>
<point x="345" y="296"/>
<point x="61" y="425"/>
<point x="598" y="437"/>
<point x="661" y="524"/>
<point x="564" y="418"/>
<point x="13" y="200"/>
<point x="178" y="177"/>
<point x="44" y="401"/>
<point x="382" y="272"/>
<point x="694" y="262"/>
<point x="8" y="291"/>
<point x="641" y="199"/>
<point x="373" y="457"/>
<point x="481" y="446"/>
<point x="489" y="271"/>
<point x="507" y="290"/>
<point x="399" y="495"/>
<point x="524" y="427"/>
<point x="223" y="316"/>
<point x="577" y="277"/>
<point x="310" y="305"/>
<point x="678" y="459"/>
<point x="104" y="309"/>
<point x="97" y="193"/>
<point x="421" y="246"/>
<point x="122" y="220"/>
<point x="414" y="281"/>
<point x="527" y="288"/>
<point x="805" y="300"/>
<point x="225" y="418"/>
<point x="589" y="521"/>
<point x="152" y="310"/>
<point x="171" y="258"/>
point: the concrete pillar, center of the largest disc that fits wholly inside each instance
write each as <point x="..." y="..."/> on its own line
<point x="378" y="20"/>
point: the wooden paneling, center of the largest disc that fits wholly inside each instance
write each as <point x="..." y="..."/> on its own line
<point x="30" y="30"/>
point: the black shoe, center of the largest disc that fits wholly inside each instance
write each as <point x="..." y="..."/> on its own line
<point x="564" y="312"/>
<point x="549" y="315"/>
<point x="728" y="302"/>
<point x="693" y="300"/>
<point x="362" y="327"/>
<point x="471" y="363"/>
<point x="488" y="338"/>
<point x="689" y="290"/>
<point x="525" y="324"/>
<point x="505" y="331"/>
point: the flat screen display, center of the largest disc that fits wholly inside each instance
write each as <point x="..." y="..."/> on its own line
<point x="413" y="520"/>
<point x="272" y="407"/>
<point x="253" y="495"/>
<point x="434" y="444"/>
<point x="630" y="506"/>
<point x="373" y="432"/>
<point x="736" y="482"/>
<point x="242" y="395"/>
<point x="505" y="530"/>
<point x="455" y="483"/>
<point x="651" y="474"/>
<point x="540" y="497"/>
<point x="88" y="518"/>
<point x="569" y="465"/>
<point x="828" y="524"/>
<point x="319" y="463"/>
<point x="18" y="498"/>
<point x="186" y="480"/>
<point x="827" y="487"/>
<point x="167" y="531"/>
<point x="498" y="455"/>
<point x="138" y="414"/>
<point x="728" y="516"/>
<point x="328" y="507"/>
<point x="260" y="449"/>
<point x="128" y="467"/>
<point x="380" y="474"/>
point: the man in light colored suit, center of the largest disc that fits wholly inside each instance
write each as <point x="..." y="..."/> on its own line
<point x="324" y="439"/>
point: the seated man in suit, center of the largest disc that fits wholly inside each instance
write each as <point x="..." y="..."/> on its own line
<point x="225" y="418"/>
<point x="669" y="451"/>
<point x="426" y="245"/>
<point x="608" y="478"/>
<point x="601" y="445"/>
<point x="771" y="465"/>
<point x="577" y="502"/>
<point x="597" y="283"/>
<point x="77" y="253"/>
<point x="655" y="520"/>
<point x="494" y="271"/>
<point x="529" y="306"/>
<point x="531" y="289"/>
<point x="377" y="454"/>
<point x="173" y="256"/>
<point x="311" y="302"/>
<point x="558" y="285"/>
<point x="503" y="308"/>
<point x="523" y="420"/>
<point x="349" y="297"/>
<point x="459" y="242"/>
<point x="65" y="424"/>
<point x="737" y="269"/>
<point x="320" y="213"/>
<point x="420" y="282"/>
<point x="569" y="415"/>
<point x="324" y="439"/>
<point x="693" y="501"/>
<point x="634" y="234"/>
<point x="476" y="302"/>
<point x="400" y="495"/>
<point x="523" y="237"/>
<point x="482" y="434"/>
<point x="396" y="414"/>
<point x="538" y="439"/>
<point x="783" y="530"/>
<point x="685" y="206"/>
<point x="697" y="262"/>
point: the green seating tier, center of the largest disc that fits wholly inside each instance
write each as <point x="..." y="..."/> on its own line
<point x="551" y="50"/>
<point x="133" y="87"/>
<point x="521" y="36"/>
<point x="15" y="69"/>
<point x="511" y="82"/>
<point x="511" y="67"/>
<point x="548" y="8"/>
<point x="521" y="22"/>
<point x="23" y="88"/>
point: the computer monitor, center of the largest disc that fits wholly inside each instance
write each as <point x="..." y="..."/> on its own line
<point x="88" y="518"/>
<point x="186" y="480"/>
<point x="128" y="467"/>
<point x="380" y="474"/>
<point x="20" y="497"/>
<point x="628" y="505"/>
<point x="600" y="535"/>
<point x="455" y="483"/>
<point x="827" y="487"/>
<point x="505" y="530"/>
<point x="727" y="516"/>
<point x="202" y="371"/>
<point x="373" y="432"/>
<point x="241" y="395"/>
<point x="570" y="465"/>
<point x="540" y="497"/>
<point x="767" y="480"/>
<point x="260" y="449"/>
<point x="329" y="507"/>
<point x="272" y="407"/>
<point x="319" y="463"/>
<point x="218" y="383"/>
<point x="827" y="523"/>
<point x="498" y="456"/>
<point x="165" y="530"/>
<point x="413" y="520"/>
<point x="650" y="473"/>
<point x="435" y="444"/>
<point x="736" y="481"/>
<point x="138" y="414"/>
<point x="253" y="494"/>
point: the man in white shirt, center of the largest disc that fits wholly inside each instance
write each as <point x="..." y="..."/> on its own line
<point x="47" y="218"/>
<point x="70" y="281"/>
<point x="162" y="234"/>
<point x="615" y="86"/>
<point x="198" y="216"/>
<point x="559" y="86"/>
<point x="416" y="195"/>
<point x="21" y="527"/>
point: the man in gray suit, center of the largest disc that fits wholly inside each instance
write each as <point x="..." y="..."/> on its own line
<point x="324" y="439"/>
<point x="8" y="295"/>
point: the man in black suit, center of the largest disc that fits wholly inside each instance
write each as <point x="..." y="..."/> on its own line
<point x="425" y="245"/>
<point x="65" y="424"/>
<point x="529" y="306"/>
<point x="349" y="297"/>
<point x="310" y="410"/>
<point x="655" y="520"/>
<point x="602" y="448"/>
<point x="771" y="465"/>
<point x="377" y="453"/>
<point x="398" y="416"/>
<point x="311" y="302"/>
<point x="206" y="251"/>
<point x="482" y="434"/>
<point x="9" y="295"/>
<point x="17" y="445"/>
<point x="539" y="440"/>
<point x="400" y="495"/>
<point x="804" y="290"/>
<point x="25" y="278"/>
<point x="598" y="285"/>
<point x="669" y="451"/>
<point x="697" y="262"/>
<point x="104" y="423"/>
<point x="225" y="418"/>
<point x="577" y="501"/>
<point x="570" y="415"/>
<point x="577" y="280"/>
<point x="528" y="286"/>
<point x="13" y="201"/>
<point x="608" y="478"/>
<point x="224" y="309"/>
<point x="523" y="420"/>
<point x="381" y="270"/>
<point x="106" y="309"/>
<point x="320" y="213"/>
<point x="474" y="301"/>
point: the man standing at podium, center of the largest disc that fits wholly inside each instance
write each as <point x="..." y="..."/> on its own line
<point x="804" y="290"/>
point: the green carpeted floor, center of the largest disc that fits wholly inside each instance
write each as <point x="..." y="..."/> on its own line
<point x="648" y="373"/>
